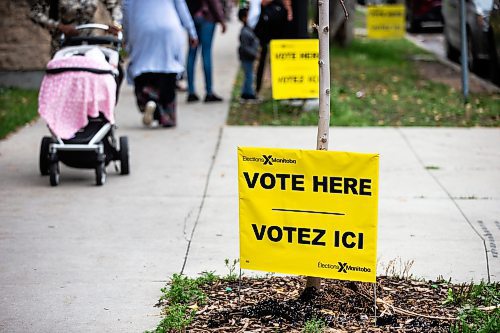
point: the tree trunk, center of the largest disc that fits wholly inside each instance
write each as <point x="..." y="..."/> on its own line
<point x="324" y="76"/>
<point x="324" y="94"/>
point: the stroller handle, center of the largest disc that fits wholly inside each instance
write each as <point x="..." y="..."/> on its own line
<point x="92" y="26"/>
<point x="117" y="41"/>
<point x="98" y="26"/>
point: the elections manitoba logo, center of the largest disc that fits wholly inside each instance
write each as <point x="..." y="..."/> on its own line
<point x="343" y="267"/>
<point x="269" y="160"/>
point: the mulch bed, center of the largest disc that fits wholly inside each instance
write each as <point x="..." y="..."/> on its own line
<point x="280" y="304"/>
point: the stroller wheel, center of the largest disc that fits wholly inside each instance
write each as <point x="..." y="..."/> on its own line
<point x="100" y="174"/>
<point x="124" y="165"/>
<point x="54" y="173"/>
<point x="44" y="162"/>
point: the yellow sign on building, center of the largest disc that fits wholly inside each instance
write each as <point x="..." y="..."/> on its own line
<point x="308" y="212"/>
<point x="385" y="21"/>
<point x="294" y="68"/>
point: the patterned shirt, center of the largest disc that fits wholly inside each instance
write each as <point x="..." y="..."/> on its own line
<point x="72" y="12"/>
<point x="75" y="12"/>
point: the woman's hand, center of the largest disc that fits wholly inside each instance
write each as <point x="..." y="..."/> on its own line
<point x="67" y="29"/>
<point x="289" y="11"/>
<point x="115" y="28"/>
<point x="193" y="42"/>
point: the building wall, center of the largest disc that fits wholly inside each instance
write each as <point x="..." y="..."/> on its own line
<point x="24" y="46"/>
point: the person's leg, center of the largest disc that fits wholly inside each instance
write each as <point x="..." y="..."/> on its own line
<point x="190" y="68"/>
<point x="165" y="82"/>
<point x="247" y="89"/>
<point x="179" y="86"/>
<point x="206" y="37"/>
<point x="168" y="117"/>
<point x="260" y="68"/>
<point x="191" y="61"/>
<point x="147" y="95"/>
<point x="140" y="83"/>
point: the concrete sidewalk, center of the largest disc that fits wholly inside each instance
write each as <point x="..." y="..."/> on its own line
<point x="82" y="258"/>
<point x="439" y="197"/>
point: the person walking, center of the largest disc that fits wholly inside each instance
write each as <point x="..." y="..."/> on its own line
<point x="62" y="16"/>
<point x="155" y="43"/>
<point x="206" y="14"/>
<point x="275" y="17"/>
<point x="248" y="50"/>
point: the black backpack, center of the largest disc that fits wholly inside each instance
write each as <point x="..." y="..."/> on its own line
<point x="194" y="6"/>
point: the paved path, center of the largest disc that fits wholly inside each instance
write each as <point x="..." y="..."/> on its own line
<point x="81" y="258"/>
<point x="439" y="197"/>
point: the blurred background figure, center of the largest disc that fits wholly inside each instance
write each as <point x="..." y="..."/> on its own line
<point x="247" y="51"/>
<point x="274" y="22"/>
<point x="154" y="31"/>
<point x="61" y="16"/>
<point x="206" y="14"/>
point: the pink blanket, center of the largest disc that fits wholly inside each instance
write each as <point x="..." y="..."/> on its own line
<point x="68" y="98"/>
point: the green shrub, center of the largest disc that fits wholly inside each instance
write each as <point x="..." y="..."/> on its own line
<point x="183" y="290"/>
<point x="314" y="325"/>
<point x="177" y="318"/>
<point x="479" y="302"/>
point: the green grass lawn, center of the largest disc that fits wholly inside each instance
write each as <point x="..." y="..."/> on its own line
<point x="17" y="107"/>
<point x="376" y="83"/>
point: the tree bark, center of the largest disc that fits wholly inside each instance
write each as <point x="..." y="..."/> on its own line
<point x="324" y="95"/>
<point x="324" y="76"/>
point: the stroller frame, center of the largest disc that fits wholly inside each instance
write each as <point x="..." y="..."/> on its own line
<point x="102" y="147"/>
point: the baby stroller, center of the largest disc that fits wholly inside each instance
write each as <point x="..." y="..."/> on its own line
<point x="77" y="100"/>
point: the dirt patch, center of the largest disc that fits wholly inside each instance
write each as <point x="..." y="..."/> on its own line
<point x="439" y="72"/>
<point x="278" y="304"/>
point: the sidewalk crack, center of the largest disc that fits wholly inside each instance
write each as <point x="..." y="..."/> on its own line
<point x="202" y="203"/>
<point x="421" y="162"/>
<point x="186" y="220"/>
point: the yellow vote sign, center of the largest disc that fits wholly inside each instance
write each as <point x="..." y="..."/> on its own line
<point x="308" y="212"/>
<point x="385" y="21"/>
<point x="294" y="68"/>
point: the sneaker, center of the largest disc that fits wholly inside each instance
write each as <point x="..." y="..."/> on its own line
<point x="252" y="99"/>
<point x="149" y="111"/>
<point x="192" y="98"/>
<point x="212" y="98"/>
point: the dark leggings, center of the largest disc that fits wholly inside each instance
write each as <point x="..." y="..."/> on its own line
<point x="261" y="66"/>
<point x="158" y="87"/>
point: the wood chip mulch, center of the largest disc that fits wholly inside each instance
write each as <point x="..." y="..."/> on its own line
<point x="280" y="304"/>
